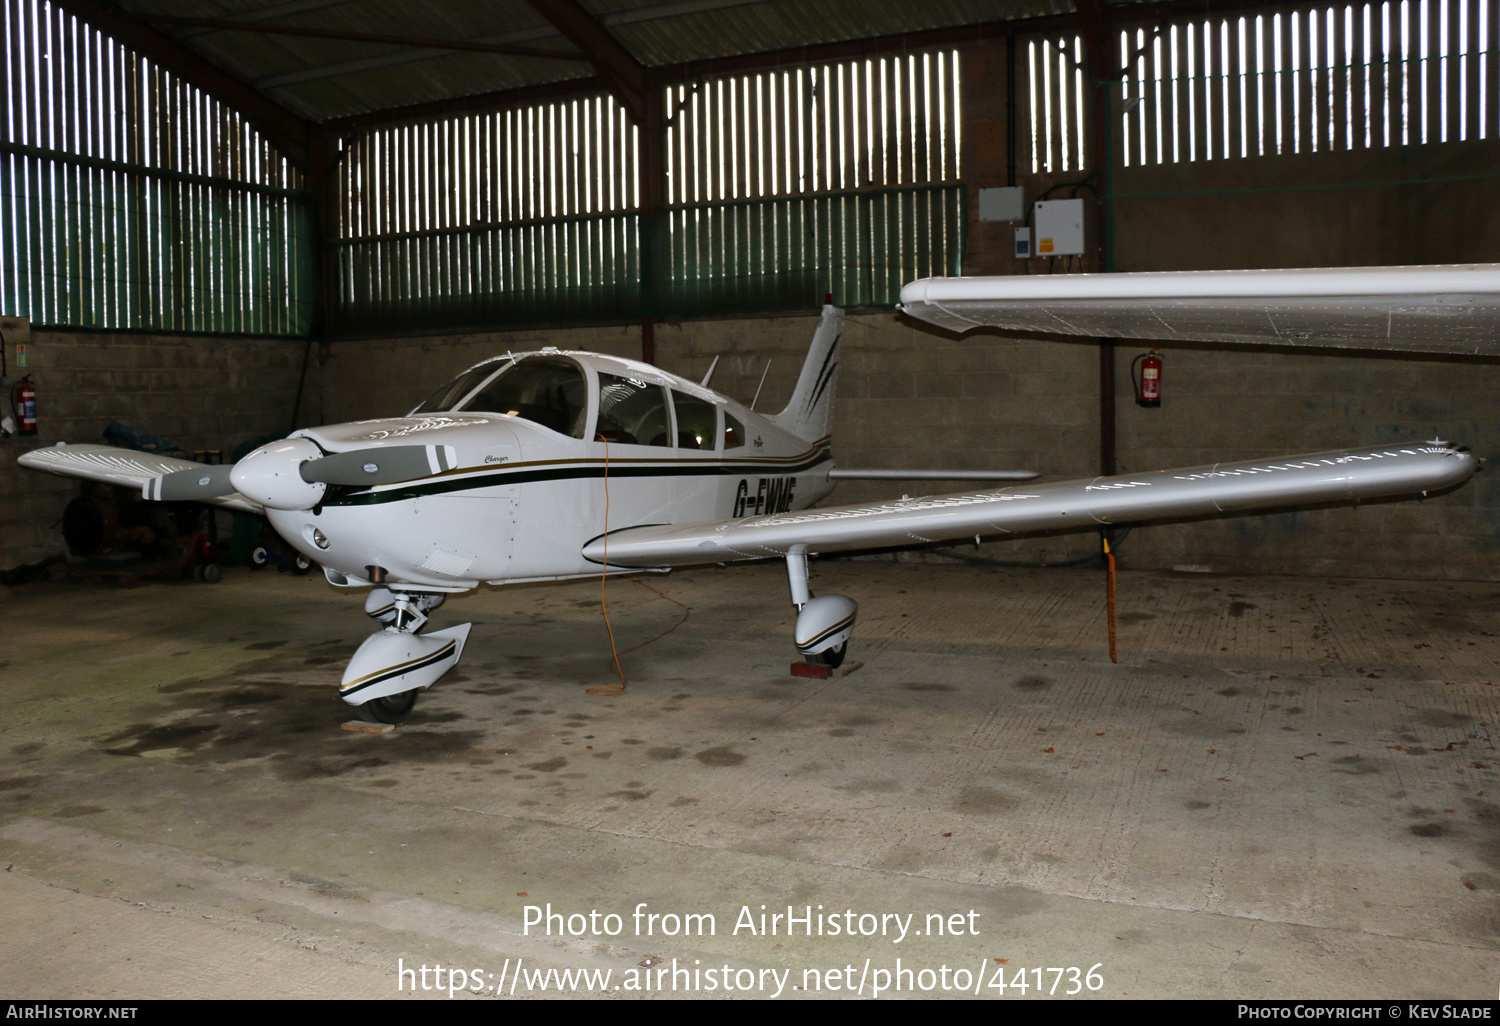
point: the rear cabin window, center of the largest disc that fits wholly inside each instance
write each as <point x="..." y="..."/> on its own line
<point x="547" y="390"/>
<point x="734" y="433"/>
<point x="632" y="412"/>
<point x="697" y="420"/>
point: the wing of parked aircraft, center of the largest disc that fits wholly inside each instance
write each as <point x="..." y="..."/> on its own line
<point x="1339" y="476"/>
<point x="140" y="471"/>
<point x="1434" y="309"/>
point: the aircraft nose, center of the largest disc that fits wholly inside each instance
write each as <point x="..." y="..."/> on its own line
<point x="272" y="475"/>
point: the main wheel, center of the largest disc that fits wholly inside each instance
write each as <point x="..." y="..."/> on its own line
<point x="301" y="564"/>
<point x="830" y="657"/>
<point x="388" y="709"/>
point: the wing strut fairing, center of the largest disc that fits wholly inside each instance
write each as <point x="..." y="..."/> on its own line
<point x="1436" y="309"/>
<point x="1339" y="476"/>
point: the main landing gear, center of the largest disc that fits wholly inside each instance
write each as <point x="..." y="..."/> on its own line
<point x="825" y="622"/>
<point x="385" y="676"/>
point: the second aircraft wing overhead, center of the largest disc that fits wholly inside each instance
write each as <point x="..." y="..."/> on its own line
<point x="1437" y="309"/>
<point x="1339" y="476"/>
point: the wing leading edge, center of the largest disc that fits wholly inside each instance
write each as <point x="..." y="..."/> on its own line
<point x="124" y="467"/>
<point x="1436" y="309"/>
<point x="1339" y="476"/>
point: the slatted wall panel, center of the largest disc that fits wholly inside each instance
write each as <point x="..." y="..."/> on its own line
<point x="524" y="213"/>
<point x="129" y="199"/>
<point x="1344" y="78"/>
<point x="1056" y="98"/>
<point x="788" y="184"/>
<point x="781" y="186"/>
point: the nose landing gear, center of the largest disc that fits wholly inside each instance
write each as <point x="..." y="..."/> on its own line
<point x="388" y="671"/>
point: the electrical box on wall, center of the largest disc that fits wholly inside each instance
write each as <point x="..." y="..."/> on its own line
<point x="1002" y="204"/>
<point x="1023" y="243"/>
<point x="1059" y="227"/>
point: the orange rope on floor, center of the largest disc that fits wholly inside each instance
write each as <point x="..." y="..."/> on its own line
<point x="1110" y="559"/>
<point x="686" y="612"/>
<point x="608" y="689"/>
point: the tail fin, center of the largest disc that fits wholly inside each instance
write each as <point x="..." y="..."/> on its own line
<point x="809" y="414"/>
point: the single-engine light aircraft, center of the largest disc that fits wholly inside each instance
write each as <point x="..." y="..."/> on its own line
<point x="555" y="465"/>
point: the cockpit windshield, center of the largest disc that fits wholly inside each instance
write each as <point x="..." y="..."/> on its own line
<point x="448" y="396"/>
<point x="548" y="390"/>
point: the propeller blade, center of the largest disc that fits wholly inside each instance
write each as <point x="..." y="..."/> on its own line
<point x="380" y="465"/>
<point x="196" y="484"/>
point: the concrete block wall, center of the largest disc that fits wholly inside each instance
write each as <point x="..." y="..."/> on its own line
<point x="199" y="392"/>
<point x="1222" y="403"/>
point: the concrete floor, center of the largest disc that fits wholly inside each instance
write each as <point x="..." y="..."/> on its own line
<point x="1281" y="790"/>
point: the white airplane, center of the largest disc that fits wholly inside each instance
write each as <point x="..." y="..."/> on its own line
<point x="555" y="465"/>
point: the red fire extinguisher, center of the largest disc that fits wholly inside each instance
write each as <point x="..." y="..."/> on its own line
<point x="23" y="399"/>
<point x="1148" y="382"/>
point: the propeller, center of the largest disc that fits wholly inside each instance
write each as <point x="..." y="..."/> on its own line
<point x="294" y="474"/>
<point x="206" y="482"/>
<point x="380" y="465"/>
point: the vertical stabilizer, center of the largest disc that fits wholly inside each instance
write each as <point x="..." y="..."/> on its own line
<point x="809" y="414"/>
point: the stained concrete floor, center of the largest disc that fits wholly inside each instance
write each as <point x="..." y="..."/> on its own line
<point x="1286" y="787"/>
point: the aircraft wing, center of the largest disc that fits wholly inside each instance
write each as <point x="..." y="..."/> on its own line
<point x="124" y="467"/>
<point x="1339" y="476"/>
<point x="1436" y="309"/>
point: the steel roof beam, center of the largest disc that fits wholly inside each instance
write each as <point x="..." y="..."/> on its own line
<point x="267" y="13"/>
<point x="391" y="59"/>
<point x="631" y="16"/>
<point x="229" y="25"/>
<point x="625" y="76"/>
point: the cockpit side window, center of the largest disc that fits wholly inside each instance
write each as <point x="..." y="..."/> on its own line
<point x="548" y="390"/>
<point x="697" y="420"/>
<point x="445" y="398"/>
<point x="632" y="412"/>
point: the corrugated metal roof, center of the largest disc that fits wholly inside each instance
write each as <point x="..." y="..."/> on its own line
<point x="329" y="78"/>
<point x="761" y="27"/>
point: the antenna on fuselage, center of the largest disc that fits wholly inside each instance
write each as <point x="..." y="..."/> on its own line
<point x="704" y="382"/>
<point x="762" y="384"/>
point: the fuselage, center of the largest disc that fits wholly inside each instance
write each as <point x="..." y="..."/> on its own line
<point x="586" y="443"/>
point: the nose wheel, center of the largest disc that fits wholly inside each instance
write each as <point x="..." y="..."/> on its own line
<point x="388" y="709"/>
<point x="832" y="658"/>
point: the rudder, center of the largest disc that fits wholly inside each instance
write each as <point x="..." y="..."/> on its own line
<point x="809" y="413"/>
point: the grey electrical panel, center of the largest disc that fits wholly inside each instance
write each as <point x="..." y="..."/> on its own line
<point x="1059" y="227"/>
<point x="1005" y="204"/>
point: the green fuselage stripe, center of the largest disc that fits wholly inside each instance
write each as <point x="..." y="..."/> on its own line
<point x="563" y="472"/>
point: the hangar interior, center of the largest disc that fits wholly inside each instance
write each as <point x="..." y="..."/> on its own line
<point x="221" y="221"/>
